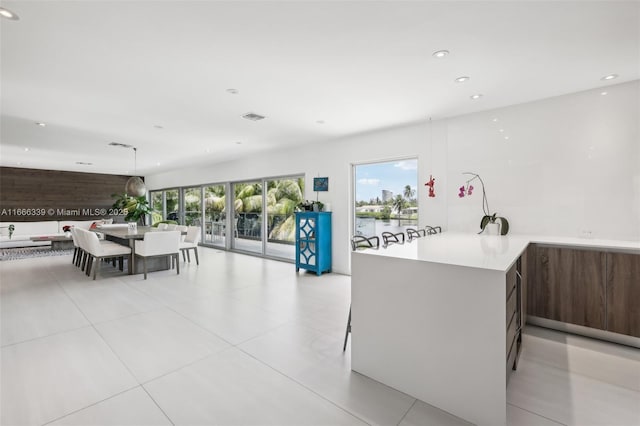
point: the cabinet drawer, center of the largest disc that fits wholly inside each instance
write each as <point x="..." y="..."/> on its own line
<point x="511" y="358"/>
<point x="512" y="328"/>
<point x="512" y="277"/>
<point x="511" y="306"/>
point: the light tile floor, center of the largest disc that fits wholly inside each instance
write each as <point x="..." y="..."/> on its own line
<point x="243" y="340"/>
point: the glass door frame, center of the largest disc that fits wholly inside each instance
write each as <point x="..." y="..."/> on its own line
<point x="230" y="242"/>
<point x="264" y="214"/>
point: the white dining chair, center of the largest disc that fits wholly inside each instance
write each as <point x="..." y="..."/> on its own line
<point x="158" y="244"/>
<point x="194" y="233"/>
<point x="183" y="231"/>
<point x="97" y="250"/>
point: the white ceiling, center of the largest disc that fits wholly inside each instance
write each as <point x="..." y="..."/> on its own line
<point x="103" y="71"/>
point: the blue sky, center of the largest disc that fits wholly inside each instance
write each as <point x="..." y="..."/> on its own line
<point x="371" y="179"/>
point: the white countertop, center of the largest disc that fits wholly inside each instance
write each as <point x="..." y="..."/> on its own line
<point x="469" y="250"/>
<point x="485" y="251"/>
<point x="630" y="246"/>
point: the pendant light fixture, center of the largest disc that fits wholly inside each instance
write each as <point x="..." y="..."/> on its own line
<point x="135" y="185"/>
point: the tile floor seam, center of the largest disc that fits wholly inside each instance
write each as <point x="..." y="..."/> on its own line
<point x="584" y="376"/>
<point x="158" y="405"/>
<point x="262" y="335"/>
<point x="127" y="316"/>
<point x="218" y="352"/>
<point x="199" y="326"/>
<point x="415" y="401"/>
<point x="550" y="365"/>
<point x="45" y="336"/>
<point x="305" y="387"/>
<point x="115" y="354"/>
<point x="128" y="284"/>
<point x="90" y="405"/>
<point x="538" y="414"/>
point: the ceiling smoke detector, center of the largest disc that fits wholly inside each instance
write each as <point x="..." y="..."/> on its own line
<point x="253" y="116"/>
<point x="120" y="145"/>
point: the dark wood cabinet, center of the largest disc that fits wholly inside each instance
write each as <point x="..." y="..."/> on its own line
<point x="515" y="314"/>
<point x="569" y="286"/>
<point x="623" y="293"/>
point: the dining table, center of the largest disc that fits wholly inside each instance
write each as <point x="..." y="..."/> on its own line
<point x="123" y="234"/>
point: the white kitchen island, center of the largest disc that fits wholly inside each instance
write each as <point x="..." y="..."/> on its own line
<point x="431" y="318"/>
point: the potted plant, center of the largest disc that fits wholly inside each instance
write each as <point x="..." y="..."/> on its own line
<point x="490" y="222"/>
<point x="11" y="228"/>
<point x="134" y="208"/>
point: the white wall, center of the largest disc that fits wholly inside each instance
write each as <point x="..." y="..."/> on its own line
<point x="572" y="164"/>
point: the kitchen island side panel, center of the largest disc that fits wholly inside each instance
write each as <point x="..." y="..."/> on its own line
<point x="434" y="331"/>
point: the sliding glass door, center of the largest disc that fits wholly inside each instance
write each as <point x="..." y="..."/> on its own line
<point x="259" y="218"/>
<point x="215" y="215"/>
<point x="192" y="206"/>
<point x="283" y="195"/>
<point x="247" y="223"/>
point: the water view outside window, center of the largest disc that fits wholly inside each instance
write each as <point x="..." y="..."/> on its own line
<point x="385" y="195"/>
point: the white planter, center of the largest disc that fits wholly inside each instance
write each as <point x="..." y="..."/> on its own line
<point x="492" y="228"/>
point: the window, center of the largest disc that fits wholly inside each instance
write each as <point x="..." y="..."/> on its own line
<point x="385" y="196"/>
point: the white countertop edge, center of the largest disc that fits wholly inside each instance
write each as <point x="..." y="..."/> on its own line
<point x="487" y="252"/>
<point x="584" y="242"/>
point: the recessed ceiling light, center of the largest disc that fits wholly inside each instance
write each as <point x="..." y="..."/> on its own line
<point x="41" y="124"/>
<point x="462" y="79"/>
<point x="19" y="163"/>
<point x="440" y="53"/>
<point x="26" y="150"/>
<point x="501" y="130"/>
<point x="207" y="150"/>
<point x="238" y="142"/>
<point x="320" y="121"/>
<point x="232" y="91"/>
<point x="157" y="164"/>
<point x="609" y="77"/>
<point x="495" y="120"/>
<point x="477" y="96"/>
<point x="604" y="93"/>
<point x="5" y="13"/>
<point x="506" y="137"/>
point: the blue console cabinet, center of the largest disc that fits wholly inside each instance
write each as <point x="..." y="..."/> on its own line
<point x="313" y="241"/>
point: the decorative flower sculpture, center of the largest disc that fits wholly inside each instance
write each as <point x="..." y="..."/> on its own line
<point x="430" y="184"/>
<point x="467" y="189"/>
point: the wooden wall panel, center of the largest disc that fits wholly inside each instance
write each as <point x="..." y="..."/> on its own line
<point x="34" y="195"/>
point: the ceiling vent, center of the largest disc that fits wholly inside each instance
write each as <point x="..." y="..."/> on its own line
<point x="84" y="163"/>
<point x="253" y="116"/>
<point x="121" y="145"/>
